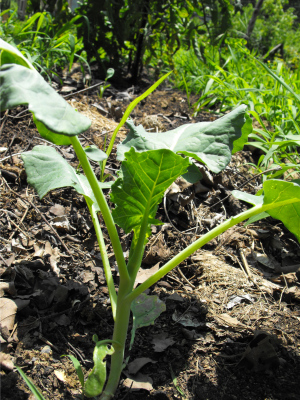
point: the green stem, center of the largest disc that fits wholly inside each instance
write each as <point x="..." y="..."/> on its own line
<point x="105" y="261"/>
<point x="137" y="252"/>
<point x="103" y="207"/>
<point x="201" y="242"/>
<point x="119" y="336"/>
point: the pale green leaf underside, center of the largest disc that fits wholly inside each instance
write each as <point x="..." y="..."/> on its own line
<point x="208" y="142"/>
<point x="95" y="154"/>
<point x="10" y="55"/>
<point x="23" y="86"/>
<point x="249" y="198"/>
<point x="145" y="177"/>
<point x="277" y="191"/>
<point x="47" y="170"/>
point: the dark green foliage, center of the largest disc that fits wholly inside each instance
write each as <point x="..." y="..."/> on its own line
<point x="122" y="33"/>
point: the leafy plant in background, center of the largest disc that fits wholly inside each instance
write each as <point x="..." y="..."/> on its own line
<point x="49" y="46"/>
<point x="150" y="164"/>
<point x="131" y="34"/>
<point x="269" y="89"/>
<point x="109" y="74"/>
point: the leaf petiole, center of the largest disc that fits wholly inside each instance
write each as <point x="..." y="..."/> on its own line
<point x="202" y="241"/>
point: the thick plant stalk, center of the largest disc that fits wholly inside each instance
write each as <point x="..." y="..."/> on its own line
<point x="119" y="335"/>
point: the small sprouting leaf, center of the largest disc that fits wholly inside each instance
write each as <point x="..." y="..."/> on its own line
<point x="95" y="154"/>
<point x="208" y="142"/>
<point x="23" y="86"/>
<point x="96" y="379"/>
<point x="78" y="368"/>
<point x="109" y="73"/>
<point x="47" y="170"/>
<point x="34" y="390"/>
<point x="143" y="180"/>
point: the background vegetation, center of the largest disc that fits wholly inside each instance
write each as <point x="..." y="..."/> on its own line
<point x="226" y="52"/>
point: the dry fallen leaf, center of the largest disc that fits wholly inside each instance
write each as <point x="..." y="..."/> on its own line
<point x="61" y="223"/>
<point x="8" y="287"/>
<point x="144" y="274"/>
<point x="8" y="309"/>
<point x="138" y="363"/>
<point x="60" y="375"/>
<point x="6" y="361"/>
<point x="138" y="382"/>
<point x="57" y="210"/>
<point x="230" y="321"/>
<point x="54" y="257"/>
<point x="161" y="342"/>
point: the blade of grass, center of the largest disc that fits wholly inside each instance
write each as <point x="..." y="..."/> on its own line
<point x="34" y="390"/>
<point x="280" y="80"/>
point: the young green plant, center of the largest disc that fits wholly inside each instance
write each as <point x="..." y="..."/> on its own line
<point x="151" y="162"/>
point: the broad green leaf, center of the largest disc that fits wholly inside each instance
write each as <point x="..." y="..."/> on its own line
<point x="34" y="390"/>
<point x="47" y="170"/>
<point x="95" y="154"/>
<point x="246" y="130"/>
<point x="23" y="86"/>
<point x="11" y="55"/>
<point x="78" y="368"/>
<point x="193" y="174"/>
<point x="96" y="379"/>
<point x="59" y="140"/>
<point x="145" y="309"/>
<point x="208" y="142"/>
<point x="277" y="191"/>
<point x="254" y="200"/>
<point x="144" y="179"/>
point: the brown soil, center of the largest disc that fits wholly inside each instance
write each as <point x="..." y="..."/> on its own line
<point x="231" y="325"/>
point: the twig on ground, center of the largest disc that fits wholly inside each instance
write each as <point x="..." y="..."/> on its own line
<point x="4" y="119"/>
<point x="244" y="261"/>
<point x="73" y="348"/>
<point x="184" y="277"/>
